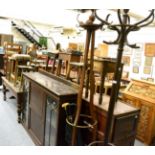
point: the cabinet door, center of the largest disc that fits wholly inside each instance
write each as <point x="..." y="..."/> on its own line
<point x="101" y="125"/>
<point x="25" y="113"/>
<point x="51" y="125"/>
<point x="124" y="129"/>
<point x="37" y="113"/>
<point x="146" y="122"/>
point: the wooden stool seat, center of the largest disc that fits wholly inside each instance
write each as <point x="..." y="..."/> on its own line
<point x="20" y="57"/>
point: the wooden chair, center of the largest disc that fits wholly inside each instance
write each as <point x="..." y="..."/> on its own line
<point x="10" y="49"/>
<point x="53" y="57"/>
<point x="18" y="63"/>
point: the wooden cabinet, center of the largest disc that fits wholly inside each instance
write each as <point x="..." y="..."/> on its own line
<point x="124" y="122"/>
<point x="141" y="94"/>
<point x="1" y="61"/>
<point x="1" y="67"/>
<point x="43" y="116"/>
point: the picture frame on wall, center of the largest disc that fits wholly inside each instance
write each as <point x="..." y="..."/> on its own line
<point x="148" y="61"/>
<point x="137" y="61"/>
<point x="127" y="50"/>
<point x="126" y="60"/>
<point x="150" y="49"/>
<point x="147" y="70"/>
<point x="150" y="79"/>
<point x="135" y="69"/>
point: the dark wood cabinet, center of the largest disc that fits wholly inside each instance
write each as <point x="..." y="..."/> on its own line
<point x="43" y="116"/>
<point x="1" y="61"/>
<point x="124" y="122"/>
<point x="1" y="67"/>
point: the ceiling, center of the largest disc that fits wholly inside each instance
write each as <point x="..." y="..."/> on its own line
<point x="54" y="16"/>
<point x="66" y="18"/>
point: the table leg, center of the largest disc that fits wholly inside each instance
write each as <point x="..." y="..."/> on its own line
<point x="4" y="92"/>
<point x="53" y="66"/>
<point x="79" y="74"/>
<point x="103" y="74"/>
<point x="68" y="69"/>
<point x="87" y="83"/>
<point x="19" y="106"/>
<point x="59" y="67"/>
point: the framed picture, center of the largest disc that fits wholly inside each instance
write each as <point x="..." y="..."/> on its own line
<point x="148" y="61"/>
<point x="150" y="49"/>
<point x="127" y="51"/>
<point x="137" y="61"/>
<point x="126" y="60"/>
<point x="147" y="70"/>
<point x="141" y="47"/>
<point x="135" y="69"/>
<point x="150" y="79"/>
<point x="81" y="47"/>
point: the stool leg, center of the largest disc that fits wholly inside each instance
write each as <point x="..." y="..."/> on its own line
<point x="68" y="71"/>
<point x="59" y="67"/>
<point x="16" y="73"/>
<point x="4" y="92"/>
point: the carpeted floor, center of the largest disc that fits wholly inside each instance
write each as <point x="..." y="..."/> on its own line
<point x="11" y="133"/>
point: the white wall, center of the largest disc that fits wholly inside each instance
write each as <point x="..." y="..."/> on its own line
<point x="5" y="26"/>
<point x="18" y="36"/>
<point x="141" y="37"/>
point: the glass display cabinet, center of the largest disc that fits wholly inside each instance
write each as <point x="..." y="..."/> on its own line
<point x="43" y="116"/>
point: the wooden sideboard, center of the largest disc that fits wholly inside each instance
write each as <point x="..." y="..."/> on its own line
<point x="141" y="94"/>
<point x="43" y="116"/>
<point x="124" y="122"/>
